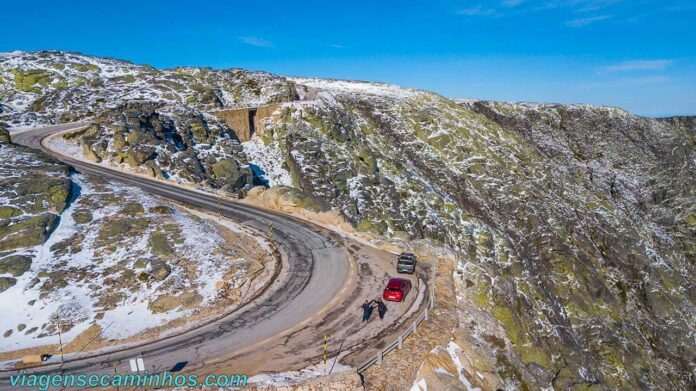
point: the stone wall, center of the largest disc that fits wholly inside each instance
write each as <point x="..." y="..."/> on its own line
<point x="262" y="113"/>
<point x="239" y="121"/>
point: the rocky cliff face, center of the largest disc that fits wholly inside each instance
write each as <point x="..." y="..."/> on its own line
<point x="574" y="226"/>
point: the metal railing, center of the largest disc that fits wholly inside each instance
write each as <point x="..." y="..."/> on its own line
<point x="399" y="342"/>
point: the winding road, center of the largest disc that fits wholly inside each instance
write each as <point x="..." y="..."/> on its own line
<point x="317" y="268"/>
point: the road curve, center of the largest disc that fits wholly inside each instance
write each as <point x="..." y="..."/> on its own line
<point x="317" y="268"/>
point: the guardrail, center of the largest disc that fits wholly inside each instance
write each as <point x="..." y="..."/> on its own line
<point x="399" y="342"/>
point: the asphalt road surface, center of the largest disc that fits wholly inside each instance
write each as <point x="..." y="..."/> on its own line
<point x="316" y="271"/>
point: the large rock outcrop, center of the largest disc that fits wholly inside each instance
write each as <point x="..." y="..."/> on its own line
<point x="167" y="142"/>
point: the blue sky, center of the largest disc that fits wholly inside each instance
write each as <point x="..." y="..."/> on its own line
<point x="639" y="55"/>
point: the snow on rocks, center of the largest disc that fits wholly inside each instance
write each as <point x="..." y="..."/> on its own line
<point x="269" y="161"/>
<point x="357" y="87"/>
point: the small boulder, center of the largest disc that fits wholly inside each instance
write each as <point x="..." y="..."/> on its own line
<point x="28" y="232"/>
<point x="7" y="283"/>
<point x="53" y="191"/>
<point x="153" y="170"/>
<point x="119" y="141"/>
<point x="133" y="209"/>
<point x="161" y="209"/>
<point x="226" y="169"/>
<point x="167" y="303"/>
<point x="133" y="138"/>
<point x="32" y="283"/>
<point x="89" y="153"/>
<point x="140" y="263"/>
<point x="82" y="216"/>
<point x="7" y="212"/>
<point x="135" y="157"/>
<point x="4" y="135"/>
<point x="15" y="265"/>
<point x="160" y="270"/>
<point x="231" y="174"/>
<point x="159" y="244"/>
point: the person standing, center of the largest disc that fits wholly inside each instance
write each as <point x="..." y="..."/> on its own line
<point x="381" y="309"/>
<point x="367" y="310"/>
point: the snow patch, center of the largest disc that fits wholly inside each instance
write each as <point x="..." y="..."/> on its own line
<point x="357" y="87"/>
<point x="270" y="159"/>
<point x="453" y="349"/>
<point x="293" y="377"/>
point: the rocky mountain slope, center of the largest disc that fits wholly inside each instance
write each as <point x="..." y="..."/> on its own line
<point x="574" y="226"/>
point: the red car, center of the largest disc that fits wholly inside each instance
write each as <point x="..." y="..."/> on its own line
<point x="397" y="289"/>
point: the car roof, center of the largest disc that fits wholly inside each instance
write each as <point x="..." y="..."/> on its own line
<point x="396" y="282"/>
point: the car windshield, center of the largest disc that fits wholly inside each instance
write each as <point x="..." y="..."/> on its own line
<point x="392" y="288"/>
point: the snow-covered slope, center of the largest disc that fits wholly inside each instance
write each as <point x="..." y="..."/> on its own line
<point x="106" y="262"/>
<point x="48" y="87"/>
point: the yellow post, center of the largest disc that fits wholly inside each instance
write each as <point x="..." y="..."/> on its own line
<point x="116" y="375"/>
<point x="60" y="339"/>
<point x="324" y="353"/>
<point x="217" y="197"/>
<point x="236" y="295"/>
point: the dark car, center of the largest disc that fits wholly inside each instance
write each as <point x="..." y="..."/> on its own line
<point x="397" y="289"/>
<point x="406" y="263"/>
